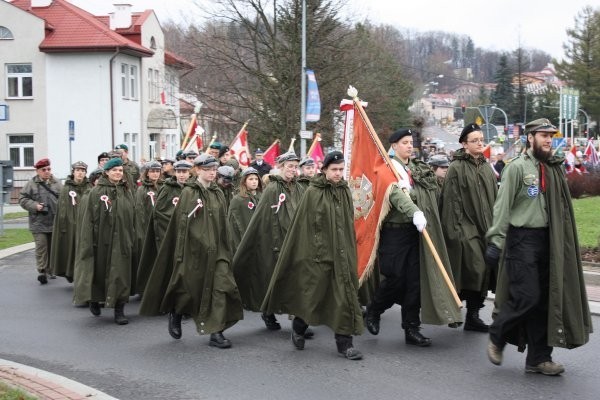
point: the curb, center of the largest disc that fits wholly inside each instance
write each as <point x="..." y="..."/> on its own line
<point x="46" y="385"/>
<point x="16" y="249"/>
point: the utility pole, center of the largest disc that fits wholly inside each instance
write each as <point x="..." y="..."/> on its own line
<point x="303" y="83"/>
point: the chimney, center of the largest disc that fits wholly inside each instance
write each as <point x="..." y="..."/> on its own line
<point x="40" y="3"/>
<point x="121" y="17"/>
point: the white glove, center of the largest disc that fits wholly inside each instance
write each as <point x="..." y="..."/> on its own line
<point x="419" y="220"/>
<point x="404" y="184"/>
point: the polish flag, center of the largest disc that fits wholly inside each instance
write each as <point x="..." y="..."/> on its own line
<point x="272" y="153"/>
<point x="239" y="147"/>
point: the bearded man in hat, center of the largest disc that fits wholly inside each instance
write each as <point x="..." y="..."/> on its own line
<point x="39" y="197"/>
<point x="541" y="298"/>
<point x="315" y="278"/>
<point x="466" y="206"/>
<point x="70" y="201"/>
<point x="257" y="254"/>
<point x="130" y="167"/>
<point x="260" y="164"/>
<point x="411" y="276"/>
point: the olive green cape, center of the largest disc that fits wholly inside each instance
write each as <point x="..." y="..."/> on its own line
<point x="466" y="213"/>
<point x="569" y="320"/>
<point x="64" y="233"/>
<point x="316" y="274"/>
<point x="241" y="209"/>
<point x="256" y="256"/>
<point x="192" y="274"/>
<point x="104" y="251"/>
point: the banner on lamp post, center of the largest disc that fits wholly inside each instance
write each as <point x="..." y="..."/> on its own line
<point x="313" y="101"/>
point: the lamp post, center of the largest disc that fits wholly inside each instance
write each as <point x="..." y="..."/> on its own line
<point x="587" y="118"/>
<point x="303" y="83"/>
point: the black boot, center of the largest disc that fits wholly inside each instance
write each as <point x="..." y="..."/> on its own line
<point x="218" y="340"/>
<point x="95" y="308"/>
<point x="271" y="322"/>
<point x="120" y="314"/>
<point x="372" y="319"/>
<point x="474" y="323"/>
<point x="413" y="336"/>
<point x="42" y="278"/>
<point x="299" y="328"/>
<point x="345" y="347"/>
<point x="175" y="325"/>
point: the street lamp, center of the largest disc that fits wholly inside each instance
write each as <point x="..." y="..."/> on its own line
<point x="587" y="118"/>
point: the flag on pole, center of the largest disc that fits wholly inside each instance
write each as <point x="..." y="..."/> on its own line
<point x="191" y="132"/>
<point x="239" y="147"/>
<point x="590" y="152"/>
<point x="291" y="148"/>
<point x="313" y="100"/>
<point x="315" y="150"/>
<point x="272" y="153"/>
<point x="487" y="151"/>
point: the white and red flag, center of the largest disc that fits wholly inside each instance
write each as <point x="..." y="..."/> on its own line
<point x="239" y="147"/>
<point x="315" y="150"/>
<point x="272" y="153"/>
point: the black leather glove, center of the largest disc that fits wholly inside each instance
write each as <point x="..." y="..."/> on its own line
<point x="492" y="256"/>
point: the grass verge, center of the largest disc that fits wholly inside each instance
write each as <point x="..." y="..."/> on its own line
<point x="10" y="393"/>
<point x="15" y="215"/>
<point x="587" y="216"/>
<point x="15" y="237"/>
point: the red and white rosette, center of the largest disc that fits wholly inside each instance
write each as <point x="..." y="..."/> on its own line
<point x="279" y="203"/>
<point x="151" y="194"/>
<point x="175" y="201"/>
<point x="251" y="205"/>
<point x="73" y="194"/>
<point x="106" y="200"/>
<point x="199" y="205"/>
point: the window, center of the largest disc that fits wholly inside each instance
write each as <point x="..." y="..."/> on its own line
<point x="156" y="86"/>
<point x="133" y="147"/>
<point x="19" y="81"/>
<point x="5" y="33"/>
<point x="133" y="92"/>
<point x="153" y="43"/>
<point x="150" y="86"/>
<point x="125" y="81"/>
<point x="20" y="149"/>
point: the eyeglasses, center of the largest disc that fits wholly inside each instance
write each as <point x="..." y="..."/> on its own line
<point x="476" y="141"/>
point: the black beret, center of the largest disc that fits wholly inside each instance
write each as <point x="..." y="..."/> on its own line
<point x="102" y="155"/>
<point x="335" y="157"/>
<point x="466" y="130"/>
<point x="399" y="134"/>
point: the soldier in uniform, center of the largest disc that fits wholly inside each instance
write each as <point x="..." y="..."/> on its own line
<point x="541" y="298"/>
<point x="130" y="167"/>
<point x="242" y="205"/>
<point x="214" y="149"/>
<point x="40" y="197"/>
<point x="225" y="182"/>
<point x="411" y="276"/>
<point x="260" y="164"/>
<point x="167" y="168"/>
<point x="315" y="278"/>
<point x="308" y="169"/>
<point x="102" y="159"/>
<point x="466" y="206"/>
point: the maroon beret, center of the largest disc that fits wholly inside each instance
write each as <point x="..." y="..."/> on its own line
<point x="44" y="162"/>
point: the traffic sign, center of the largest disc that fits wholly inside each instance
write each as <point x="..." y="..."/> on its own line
<point x="306" y="135"/>
<point x="71" y="130"/>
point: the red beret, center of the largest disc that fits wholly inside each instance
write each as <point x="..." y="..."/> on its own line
<point x="44" y="162"/>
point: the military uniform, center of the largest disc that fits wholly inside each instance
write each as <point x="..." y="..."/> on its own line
<point x="241" y="210"/>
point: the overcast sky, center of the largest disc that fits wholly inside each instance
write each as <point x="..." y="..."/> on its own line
<point x="494" y="25"/>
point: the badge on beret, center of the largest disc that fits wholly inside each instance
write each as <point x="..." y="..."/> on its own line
<point x="533" y="191"/>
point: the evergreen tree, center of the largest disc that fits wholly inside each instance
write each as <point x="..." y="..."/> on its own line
<point x="504" y="95"/>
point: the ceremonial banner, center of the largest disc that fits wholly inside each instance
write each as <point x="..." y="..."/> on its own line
<point x="313" y="100"/>
<point x="316" y="151"/>
<point x="194" y="131"/>
<point x="590" y="152"/>
<point x="272" y="153"/>
<point x="239" y="147"/>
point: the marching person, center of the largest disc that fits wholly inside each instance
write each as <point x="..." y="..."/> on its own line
<point x="191" y="274"/>
<point x="225" y="183"/>
<point x="541" y="297"/>
<point x="242" y="206"/>
<point x="466" y="206"/>
<point x="315" y="278"/>
<point x="65" y="232"/>
<point x="39" y="197"/>
<point x="130" y="167"/>
<point x="168" y="170"/>
<point x="308" y="169"/>
<point x="439" y="163"/>
<point x="408" y="267"/>
<point x="105" y="250"/>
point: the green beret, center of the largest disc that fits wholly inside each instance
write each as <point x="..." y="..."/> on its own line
<point x="113" y="162"/>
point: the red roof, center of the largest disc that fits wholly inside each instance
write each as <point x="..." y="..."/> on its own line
<point x="177" y="62"/>
<point x="69" y="28"/>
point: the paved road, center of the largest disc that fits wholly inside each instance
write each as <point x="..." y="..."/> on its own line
<point x="39" y="327"/>
<point x="450" y="140"/>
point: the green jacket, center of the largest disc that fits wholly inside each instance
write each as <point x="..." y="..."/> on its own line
<point x="131" y="172"/>
<point x="192" y="274"/>
<point x="33" y="193"/>
<point x="256" y="256"/>
<point x="241" y="209"/>
<point x="64" y="234"/>
<point x="165" y="201"/>
<point x="104" y="252"/>
<point x="466" y="206"/>
<point x="569" y="321"/>
<point x="316" y="274"/>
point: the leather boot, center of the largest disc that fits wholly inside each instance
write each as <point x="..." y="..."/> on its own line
<point x="474" y="323"/>
<point x="271" y="322"/>
<point x="175" y="325"/>
<point x="219" y="341"/>
<point x="345" y="347"/>
<point x="120" y="314"/>
<point x="299" y="328"/>
<point x="42" y="278"/>
<point x="95" y="308"/>
<point x="372" y="319"/>
<point x="413" y="336"/>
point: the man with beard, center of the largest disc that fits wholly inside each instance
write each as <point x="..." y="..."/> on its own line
<point x="540" y="300"/>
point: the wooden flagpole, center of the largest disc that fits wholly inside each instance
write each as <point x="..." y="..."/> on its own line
<point x="313" y="144"/>
<point x="291" y="148"/>
<point x="193" y="122"/>
<point x="239" y="133"/>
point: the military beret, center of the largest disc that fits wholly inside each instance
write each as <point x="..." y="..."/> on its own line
<point x="233" y="163"/>
<point x="179" y="154"/>
<point x="113" y="162"/>
<point x="226" y="171"/>
<point x="44" y="162"/>
<point x="205" y="160"/>
<point x="190" y="153"/>
<point x="335" y="157"/>
<point x="259" y="151"/>
<point x="79" y="164"/>
<point x="307" y="161"/>
<point x="152" y="165"/>
<point x="215" y="145"/>
<point x="182" y="164"/>
<point x="289" y="156"/>
<point x="466" y="130"/>
<point x="122" y="147"/>
<point x="103" y="155"/>
<point x="399" y="134"/>
<point x="250" y="171"/>
<point x="223" y="150"/>
<point x="539" y="125"/>
<point x="438" y="160"/>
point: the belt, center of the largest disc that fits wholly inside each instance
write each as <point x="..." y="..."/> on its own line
<point x="396" y="225"/>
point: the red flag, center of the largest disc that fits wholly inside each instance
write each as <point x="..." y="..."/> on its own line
<point x="315" y="150"/>
<point x="191" y="131"/>
<point x="590" y="152"/>
<point x="272" y="153"/>
<point x="370" y="179"/>
<point x="239" y="147"/>
<point x="163" y="97"/>
<point x="487" y="151"/>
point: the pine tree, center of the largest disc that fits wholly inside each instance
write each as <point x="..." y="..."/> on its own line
<point x="504" y="95"/>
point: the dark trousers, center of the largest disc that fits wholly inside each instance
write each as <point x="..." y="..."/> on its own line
<point x="398" y="256"/>
<point x="527" y="266"/>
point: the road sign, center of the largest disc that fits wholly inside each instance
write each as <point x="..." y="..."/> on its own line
<point x="3" y="112"/>
<point x="569" y="103"/>
<point x="306" y="135"/>
<point x="558" y="142"/>
<point x="71" y="130"/>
